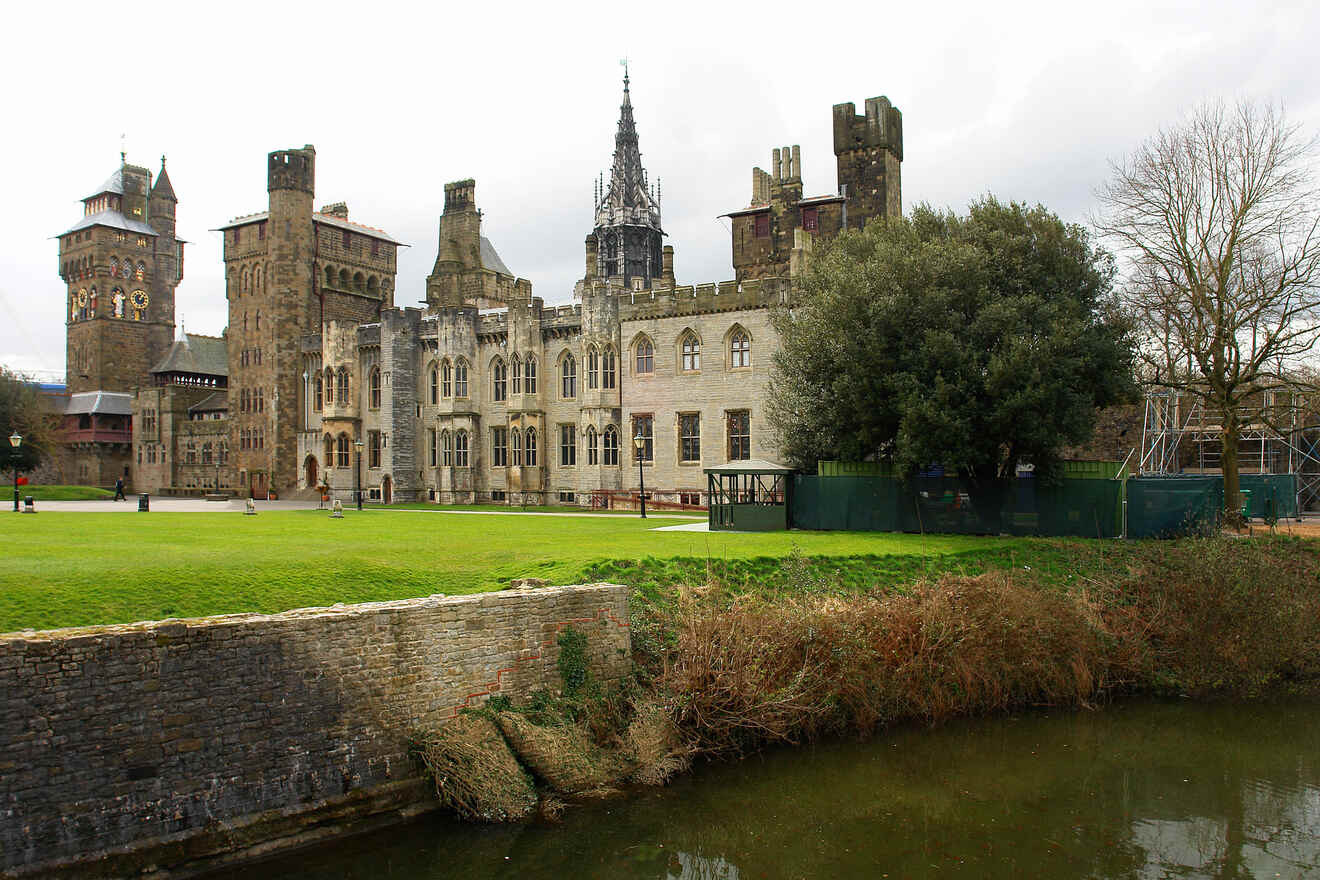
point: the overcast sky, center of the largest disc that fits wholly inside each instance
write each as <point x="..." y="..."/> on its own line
<point x="1025" y="101"/>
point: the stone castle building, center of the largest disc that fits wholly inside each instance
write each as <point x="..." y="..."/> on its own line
<point x="486" y="393"/>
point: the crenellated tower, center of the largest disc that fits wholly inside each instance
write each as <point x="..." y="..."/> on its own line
<point x="869" y="150"/>
<point x="626" y="247"/>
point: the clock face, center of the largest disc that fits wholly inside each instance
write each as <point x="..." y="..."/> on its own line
<point x="140" y="299"/>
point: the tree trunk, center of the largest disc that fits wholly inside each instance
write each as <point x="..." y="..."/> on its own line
<point x="1229" y="465"/>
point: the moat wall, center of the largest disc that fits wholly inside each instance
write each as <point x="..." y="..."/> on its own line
<point x="185" y="742"/>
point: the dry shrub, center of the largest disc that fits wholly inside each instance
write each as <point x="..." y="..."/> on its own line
<point x="753" y="672"/>
<point x="475" y="774"/>
<point x="562" y="755"/>
<point x="1220" y="616"/>
<point x="655" y="745"/>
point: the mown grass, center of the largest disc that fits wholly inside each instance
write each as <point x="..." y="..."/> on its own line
<point x="567" y="510"/>
<point x="66" y="493"/>
<point x="72" y="569"/>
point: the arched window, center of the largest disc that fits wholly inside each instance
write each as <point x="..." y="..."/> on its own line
<point x="206" y="453"/>
<point x="341" y="452"/>
<point x="515" y="439"/>
<point x="329" y="276"/>
<point x="141" y="271"/>
<point x="114" y="267"/>
<point x="374" y="393"/>
<point x="373" y="286"/>
<point x="435" y="383"/>
<point x="516" y="364"/>
<point x="461" y="449"/>
<point x="318" y="399"/>
<point x="446" y="449"/>
<point x="610" y="446"/>
<point x="568" y="377"/>
<point x="329" y="443"/>
<point x="689" y="352"/>
<point x="529" y="370"/>
<point x="607" y="370"/>
<point x="593" y="368"/>
<point x="359" y="281"/>
<point x="499" y="379"/>
<point x="256" y="280"/>
<point x="531" y="447"/>
<point x="341" y="387"/>
<point x="740" y="349"/>
<point x="343" y="279"/>
<point x="589" y="438"/>
<point x="460" y="378"/>
<point x="645" y="361"/>
<point x="329" y="388"/>
<point x="446" y="379"/>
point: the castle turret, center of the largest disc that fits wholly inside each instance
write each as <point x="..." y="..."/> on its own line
<point x="870" y="153"/>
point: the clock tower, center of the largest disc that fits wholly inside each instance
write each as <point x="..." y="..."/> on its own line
<point x="120" y="264"/>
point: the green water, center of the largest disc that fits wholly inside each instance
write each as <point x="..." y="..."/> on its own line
<point x="1135" y="791"/>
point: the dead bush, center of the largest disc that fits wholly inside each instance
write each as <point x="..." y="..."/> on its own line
<point x="475" y="773"/>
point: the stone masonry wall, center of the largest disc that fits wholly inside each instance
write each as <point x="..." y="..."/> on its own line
<point x="148" y="738"/>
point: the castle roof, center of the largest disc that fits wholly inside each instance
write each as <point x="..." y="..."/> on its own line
<point x="490" y="259"/>
<point x="327" y="219"/>
<point x="217" y="402"/>
<point x="114" y="403"/>
<point x="114" y="184"/>
<point x="196" y="354"/>
<point x="163" y="188"/>
<point x="801" y="203"/>
<point x="114" y="220"/>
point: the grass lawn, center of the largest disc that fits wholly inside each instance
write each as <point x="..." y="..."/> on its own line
<point x="65" y="493"/>
<point x="70" y="569"/>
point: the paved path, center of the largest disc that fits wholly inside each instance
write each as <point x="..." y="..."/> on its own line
<point x="198" y="505"/>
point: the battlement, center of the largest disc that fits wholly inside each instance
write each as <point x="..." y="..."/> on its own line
<point x="460" y="195"/>
<point x="882" y="126"/>
<point x="292" y="169"/>
<point x="699" y="299"/>
<point x="335" y="209"/>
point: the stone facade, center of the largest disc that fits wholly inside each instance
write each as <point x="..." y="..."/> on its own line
<point x="178" y="740"/>
<point x="487" y="394"/>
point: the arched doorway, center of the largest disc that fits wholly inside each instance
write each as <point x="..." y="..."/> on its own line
<point x="310" y="467"/>
<point x="387" y="491"/>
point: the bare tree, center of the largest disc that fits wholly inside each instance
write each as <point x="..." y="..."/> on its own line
<point x="1216" y="220"/>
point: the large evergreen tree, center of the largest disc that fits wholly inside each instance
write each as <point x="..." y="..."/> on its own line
<point x="978" y="342"/>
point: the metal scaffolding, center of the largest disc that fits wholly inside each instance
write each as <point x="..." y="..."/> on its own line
<point x="1178" y="435"/>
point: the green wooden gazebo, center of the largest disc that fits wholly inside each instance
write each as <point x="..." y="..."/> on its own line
<point x="749" y="496"/>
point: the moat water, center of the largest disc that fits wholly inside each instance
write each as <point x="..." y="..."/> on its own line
<point x="1138" y="790"/>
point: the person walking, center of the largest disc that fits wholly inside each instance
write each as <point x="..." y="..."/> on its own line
<point x="119" y="490"/>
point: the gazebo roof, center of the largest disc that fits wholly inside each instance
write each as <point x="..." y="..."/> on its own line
<point x="750" y="466"/>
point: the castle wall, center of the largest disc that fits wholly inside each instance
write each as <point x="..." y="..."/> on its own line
<point x="172" y="741"/>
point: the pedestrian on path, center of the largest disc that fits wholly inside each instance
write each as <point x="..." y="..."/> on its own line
<point x="119" y="490"/>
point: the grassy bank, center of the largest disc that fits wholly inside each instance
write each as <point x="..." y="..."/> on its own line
<point x="730" y="659"/>
<point x="71" y="569"/>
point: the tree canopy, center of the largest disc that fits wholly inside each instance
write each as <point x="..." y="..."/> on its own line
<point x="22" y="410"/>
<point x="977" y="342"/>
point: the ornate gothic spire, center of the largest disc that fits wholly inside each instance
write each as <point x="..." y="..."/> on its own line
<point x="627" y="201"/>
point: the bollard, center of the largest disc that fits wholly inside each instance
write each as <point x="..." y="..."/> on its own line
<point x="338" y="511"/>
<point x="144" y="503"/>
<point x="251" y="508"/>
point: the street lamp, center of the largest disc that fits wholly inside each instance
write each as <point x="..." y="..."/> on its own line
<point x="357" y="473"/>
<point x="15" y="441"/>
<point x="639" y="443"/>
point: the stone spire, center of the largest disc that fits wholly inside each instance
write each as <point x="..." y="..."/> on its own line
<point x="627" y="200"/>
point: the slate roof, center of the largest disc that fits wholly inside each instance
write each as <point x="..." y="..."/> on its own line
<point x="114" y="220"/>
<point x="217" y="402"/>
<point x="115" y="403"/>
<point x="490" y="259"/>
<point x="327" y="219"/>
<point x="196" y="354"/>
